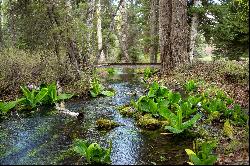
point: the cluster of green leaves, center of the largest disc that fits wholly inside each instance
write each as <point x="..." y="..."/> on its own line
<point x="52" y="96"/>
<point x="98" y="89"/>
<point x="46" y="94"/>
<point x="203" y="154"/>
<point x="220" y="105"/>
<point x="93" y="152"/>
<point x="111" y="71"/>
<point x="190" y="86"/>
<point x="176" y="124"/>
<point x="148" y="72"/>
<point x="169" y="105"/>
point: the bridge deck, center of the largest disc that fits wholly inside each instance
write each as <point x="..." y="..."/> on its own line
<point x="129" y="65"/>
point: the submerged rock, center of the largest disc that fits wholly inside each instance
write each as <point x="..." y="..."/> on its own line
<point x="148" y="122"/>
<point x="126" y="111"/>
<point x="106" y="124"/>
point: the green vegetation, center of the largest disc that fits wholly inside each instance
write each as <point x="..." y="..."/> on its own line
<point x="7" y="106"/>
<point x="163" y="102"/>
<point x="203" y="154"/>
<point x="111" y="71"/>
<point x="148" y="72"/>
<point x="44" y="95"/>
<point x="190" y="86"/>
<point x="176" y="120"/>
<point x="52" y="96"/>
<point x="98" y="89"/>
<point x="93" y="152"/>
<point x="34" y="97"/>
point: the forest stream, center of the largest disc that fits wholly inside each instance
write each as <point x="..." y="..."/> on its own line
<point x="46" y="138"/>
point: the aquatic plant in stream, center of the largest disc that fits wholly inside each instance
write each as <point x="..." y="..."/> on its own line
<point x="204" y="154"/>
<point x="7" y="106"/>
<point x="98" y="89"/>
<point x="176" y="124"/>
<point x="156" y="96"/>
<point x="93" y="152"/>
<point x="52" y="96"/>
<point x="34" y="97"/>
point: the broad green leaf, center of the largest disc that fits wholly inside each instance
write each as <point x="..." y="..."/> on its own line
<point x="162" y="92"/>
<point x="64" y="96"/>
<point x="174" y="130"/>
<point x="93" y="94"/>
<point x="26" y="92"/>
<point x="42" y="93"/>
<point x="189" y="152"/>
<point x="53" y="92"/>
<point x="191" y="122"/>
<point x="174" y="97"/>
<point x="167" y="114"/>
<point x="5" y="107"/>
<point x="107" y="93"/>
<point x="80" y="147"/>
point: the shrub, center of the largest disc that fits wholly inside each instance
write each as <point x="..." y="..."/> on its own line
<point x="20" y="67"/>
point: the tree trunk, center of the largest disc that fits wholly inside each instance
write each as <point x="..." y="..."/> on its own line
<point x="193" y="30"/>
<point x="89" y="22"/>
<point x="124" y="31"/>
<point x="173" y="34"/>
<point x="154" y="30"/>
<point x="99" y="32"/>
<point x="72" y="49"/>
<point x="1" y="32"/>
<point x="12" y="25"/>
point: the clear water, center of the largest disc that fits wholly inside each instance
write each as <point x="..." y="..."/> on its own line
<point x="45" y="139"/>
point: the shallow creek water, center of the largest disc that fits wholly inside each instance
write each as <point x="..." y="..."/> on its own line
<point x="45" y="139"/>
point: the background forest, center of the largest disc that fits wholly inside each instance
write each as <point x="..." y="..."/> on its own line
<point x="54" y="50"/>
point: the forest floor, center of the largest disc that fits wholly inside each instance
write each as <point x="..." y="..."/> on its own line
<point x="233" y="78"/>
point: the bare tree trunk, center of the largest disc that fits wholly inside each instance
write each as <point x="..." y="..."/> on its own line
<point x="99" y="32"/>
<point x="193" y="31"/>
<point x="173" y="33"/>
<point x="12" y="25"/>
<point x="124" y="31"/>
<point x="154" y="30"/>
<point x="90" y="16"/>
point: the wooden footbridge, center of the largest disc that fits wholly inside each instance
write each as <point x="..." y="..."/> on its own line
<point x="128" y="65"/>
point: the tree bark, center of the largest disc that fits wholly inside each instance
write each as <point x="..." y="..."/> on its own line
<point x="154" y="30"/>
<point x="12" y="25"/>
<point x="173" y="34"/>
<point x="193" y="31"/>
<point x="89" y="22"/>
<point x="99" y="32"/>
<point x="124" y="31"/>
<point x="1" y="32"/>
